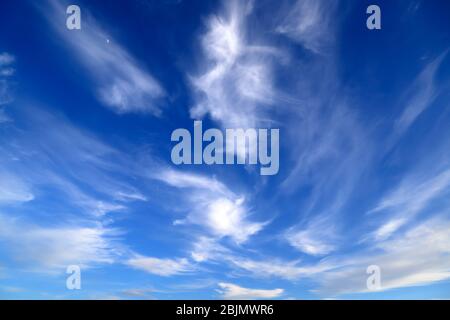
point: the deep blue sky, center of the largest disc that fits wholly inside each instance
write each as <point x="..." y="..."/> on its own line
<point x="86" y="176"/>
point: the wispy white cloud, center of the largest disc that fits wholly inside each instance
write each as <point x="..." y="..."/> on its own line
<point x="13" y="189"/>
<point x="49" y="167"/>
<point x="420" y="256"/>
<point x="53" y="247"/>
<point x="139" y="293"/>
<point x="237" y="84"/>
<point x="429" y="179"/>
<point x="309" y="22"/>
<point x="130" y="196"/>
<point x="318" y="238"/>
<point x="388" y="228"/>
<point x="207" y="248"/>
<point x="408" y="199"/>
<point x="6" y="68"/>
<point x="276" y="268"/>
<point x="212" y="205"/>
<point x="232" y="291"/>
<point x="420" y="95"/>
<point x="161" y="267"/>
<point x="121" y="82"/>
<point x="228" y="218"/>
<point x="414" y="194"/>
<point x="6" y="59"/>
<point x="234" y="87"/>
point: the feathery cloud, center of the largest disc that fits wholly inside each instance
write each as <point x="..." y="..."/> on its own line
<point x="212" y="205"/>
<point x="309" y="22"/>
<point x="13" y="189"/>
<point x="316" y="239"/>
<point x="237" y="84"/>
<point x="50" y="247"/>
<point x="420" y="256"/>
<point x="409" y="199"/>
<point x="420" y="95"/>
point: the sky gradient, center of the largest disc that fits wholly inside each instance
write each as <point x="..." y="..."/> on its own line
<point x="86" y="176"/>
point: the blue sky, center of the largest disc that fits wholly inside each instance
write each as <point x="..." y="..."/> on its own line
<point x="86" y="176"/>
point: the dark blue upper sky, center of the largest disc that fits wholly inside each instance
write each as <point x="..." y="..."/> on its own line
<point x="86" y="176"/>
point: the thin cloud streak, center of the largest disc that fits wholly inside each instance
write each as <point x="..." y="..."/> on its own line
<point x="310" y="23"/>
<point x="47" y="248"/>
<point x="421" y="95"/>
<point x="234" y="292"/>
<point x="161" y="267"/>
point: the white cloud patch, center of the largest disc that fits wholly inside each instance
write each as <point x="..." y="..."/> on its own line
<point x="235" y="292"/>
<point x="122" y="83"/>
<point x="318" y="238"/>
<point x="51" y="168"/>
<point x="420" y="95"/>
<point x="6" y="95"/>
<point x="415" y="194"/>
<point x="102" y="208"/>
<point x="309" y="242"/>
<point x="237" y="83"/>
<point x="130" y="196"/>
<point x="408" y="199"/>
<point x="160" y="267"/>
<point x="181" y="179"/>
<point x="207" y="248"/>
<point x="140" y="293"/>
<point x="213" y="206"/>
<point x="88" y="173"/>
<point x="388" y="228"/>
<point x="420" y="256"/>
<point x="309" y="22"/>
<point x="5" y="92"/>
<point x="4" y="117"/>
